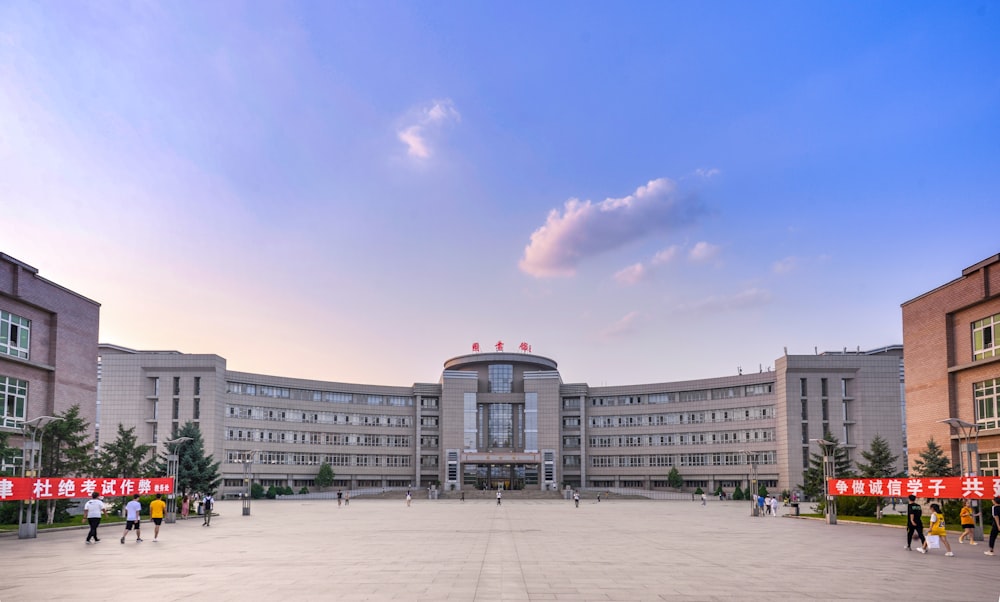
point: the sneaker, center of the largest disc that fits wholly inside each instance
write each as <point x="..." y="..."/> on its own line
<point x="972" y="543"/>
<point x="949" y="554"/>
<point x="989" y="553"/>
<point x="138" y="540"/>
<point x="87" y="542"/>
<point x="922" y="550"/>
<point x="97" y="540"/>
<point x="123" y="540"/>
<point x="907" y="548"/>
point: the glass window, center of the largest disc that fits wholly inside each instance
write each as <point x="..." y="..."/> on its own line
<point x="984" y="339"/>
<point x="985" y="396"/>
<point x="15" y="335"/>
<point x="530" y="425"/>
<point x="14" y="396"/>
<point x="501" y="377"/>
<point x="501" y="425"/>
<point x="197" y="385"/>
<point x="470" y="421"/>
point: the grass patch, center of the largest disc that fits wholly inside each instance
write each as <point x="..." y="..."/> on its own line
<point x="76" y="522"/>
<point x="898" y="520"/>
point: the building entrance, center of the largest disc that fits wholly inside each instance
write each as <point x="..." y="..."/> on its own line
<point x="500" y="476"/>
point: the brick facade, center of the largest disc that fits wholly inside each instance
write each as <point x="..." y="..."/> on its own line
<point x="940" y="371"/>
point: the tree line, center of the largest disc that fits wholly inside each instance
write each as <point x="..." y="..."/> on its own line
<point x="68" y="451"/>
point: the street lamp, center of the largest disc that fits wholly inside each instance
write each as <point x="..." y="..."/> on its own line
<point x="829" y="448"/>
<point x="247" y="478"/>
<point x="31" y="463"/>
<point x="173" y="470"/>
<point x="966" y="431"/>
<point x="752" y="460"/>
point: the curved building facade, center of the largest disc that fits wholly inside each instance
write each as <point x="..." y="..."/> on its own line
<point x="507" y="420"/>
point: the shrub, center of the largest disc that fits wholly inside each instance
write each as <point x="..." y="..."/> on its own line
<point x="271" y="493"/>
<point x="303" y="491"/>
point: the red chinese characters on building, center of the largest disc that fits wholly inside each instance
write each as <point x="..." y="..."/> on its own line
<point x="499" y="346"/>
<point x="475" y="347"/>
<point x="59" y="488"/>
<point x="949" y="488"/>
<point x="524" y="347"/>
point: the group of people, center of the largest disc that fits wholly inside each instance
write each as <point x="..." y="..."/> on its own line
<point x="767" y="505"/>
<point x="915" y="526"/>
<point x="96" y="508"/>
<point x="344" y="498"/>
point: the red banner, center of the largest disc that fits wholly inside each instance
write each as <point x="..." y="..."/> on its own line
<point x="953" y="488"/>
<point x="63" y="488"/>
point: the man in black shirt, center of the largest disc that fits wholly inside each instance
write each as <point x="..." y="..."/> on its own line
<point x="995" y="513"/>
<point x="915" y="523"/>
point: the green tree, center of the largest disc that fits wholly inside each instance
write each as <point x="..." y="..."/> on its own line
<point x="737" y="493"/>
<point x="126" y="457"/>
<point x="813" y="485"/>
<point x="7" y="456"/>
<point x="195" y="470"/>
<point x="67" y="451"/>
<point x="674" y="478"/>
<point x="933" y="462"/>
<point x="325" y="476"/>
<point x="881" y="463"/>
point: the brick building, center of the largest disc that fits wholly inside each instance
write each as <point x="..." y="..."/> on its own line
<point x="952" y="340"/>
<point x="48" y="349"/>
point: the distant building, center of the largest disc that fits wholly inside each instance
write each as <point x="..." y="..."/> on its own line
<point x="48" y="349"/>
<point x="497" y="419"/>
<point x="952" y="340"/>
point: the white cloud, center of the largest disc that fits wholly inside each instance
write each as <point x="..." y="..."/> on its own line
<point x="786" y="265"/>
<point x="707" y="173"/>
<point x="626" y="325"/>
<point x="665" y="256"/>
<point x="424" y="124"/>
<point x="704" y="251"/>
<point x="632" y="274"/>
<point x="751" y="297"/>
<point x="584" y="229"/>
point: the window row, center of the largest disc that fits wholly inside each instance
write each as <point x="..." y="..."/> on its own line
<point x="684" y="439"/>
<point x="733" y="415"/>
<point x="984" y="338"/>
<point x="309" y="459"/>
<point x="987" y="397"/>
<point x="309" y="438"/>
<point x="324" y="396"/>
<point x="283" y="415"/>
<point x="669" y="460"/>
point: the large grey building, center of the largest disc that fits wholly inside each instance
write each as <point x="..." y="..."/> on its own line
<point x="500" y="419"/>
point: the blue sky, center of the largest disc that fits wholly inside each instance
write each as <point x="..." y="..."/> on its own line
<point x="357" y="191"/>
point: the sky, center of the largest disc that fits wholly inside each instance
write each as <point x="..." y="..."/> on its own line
<point x="643" y="192"/>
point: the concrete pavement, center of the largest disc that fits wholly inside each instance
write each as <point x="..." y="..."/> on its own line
<point x="378" y="549"/>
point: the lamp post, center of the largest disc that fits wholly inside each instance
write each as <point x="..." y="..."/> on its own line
<point x="752" y="491"/>
<point x="829" y="448"/>
<point x="968" y="466"/>
<point x="173" y="470"/>
<point x="247" y="478"/>
<point x="27" y="518"/>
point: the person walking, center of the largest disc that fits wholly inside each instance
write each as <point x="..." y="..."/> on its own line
<point x="347" y="498"/>
<point x="156" y="510"/>
<point x="995" y="520"/>
<point x="499" y="496"/>
<point x="132" y="520"/>
<point x="968" y="518"/>
<point x="185" y="506"/>
<point x="774" y="506"/>
<point x="576" y="498"/>
<point x="409" y="496"/>
<point x="937" y="527"/>
<point x="915" y="524"/>
<point x="208" y="502"/>
<point x="340" y="497"/>
<point x="93" y="510"/>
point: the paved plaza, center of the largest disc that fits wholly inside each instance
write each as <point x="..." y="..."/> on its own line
<point x="378" y="549"/>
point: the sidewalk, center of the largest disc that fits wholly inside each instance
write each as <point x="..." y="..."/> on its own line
<point x="522" y="550"/>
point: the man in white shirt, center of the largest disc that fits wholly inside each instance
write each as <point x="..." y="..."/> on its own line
<point x="132" y="510"/>
<point x="92" y="511"/>
<point x="209" y="504"/>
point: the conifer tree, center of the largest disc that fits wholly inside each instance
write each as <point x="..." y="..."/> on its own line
<point x="67" y="451"/>
<point x="933" y="462"/>
<point x="195" y="471"/>
<point x="125" y="457"/>
<point x="325" y="476"/>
